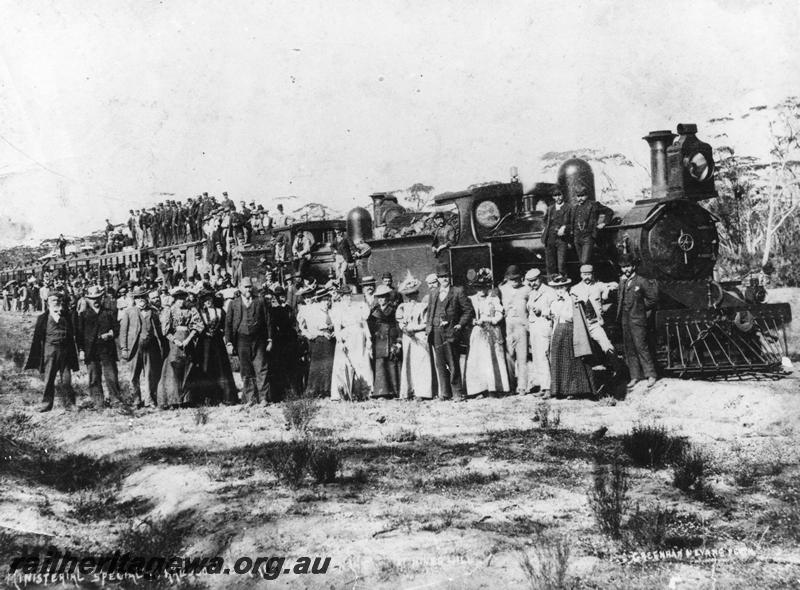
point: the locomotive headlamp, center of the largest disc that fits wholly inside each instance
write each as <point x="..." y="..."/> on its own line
<point x="690" y="166"/>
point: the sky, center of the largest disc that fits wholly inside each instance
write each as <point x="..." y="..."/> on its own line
<point x="108" y="105"/>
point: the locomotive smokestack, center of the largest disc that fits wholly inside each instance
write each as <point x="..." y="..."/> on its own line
<point x="659" y="141"/>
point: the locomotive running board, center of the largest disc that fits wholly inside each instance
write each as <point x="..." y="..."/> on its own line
<point x="724" y="342"/>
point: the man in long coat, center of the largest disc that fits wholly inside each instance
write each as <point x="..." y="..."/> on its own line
<point x="449" y="313"/>
<point x="54" y="353"/>
<point x="141" y="343"/>
<point x="96" y="328"/>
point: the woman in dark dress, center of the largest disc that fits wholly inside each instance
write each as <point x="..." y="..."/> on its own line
<point x="285" y="351"/>
<point x="570" y="375"/>
<point x="180" y="326"/>
<point x="213" y="382"/>
<point x="387" y="347"/>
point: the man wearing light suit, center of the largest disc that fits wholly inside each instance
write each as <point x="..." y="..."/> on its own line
<point x="141" y="342"/>
<point x="450" y="313"/>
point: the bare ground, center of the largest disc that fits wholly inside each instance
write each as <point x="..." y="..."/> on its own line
<point x="429" y="495"/>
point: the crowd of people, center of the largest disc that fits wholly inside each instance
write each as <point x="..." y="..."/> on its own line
<point x="173" y="222"/>
<point x="290" y="337"/>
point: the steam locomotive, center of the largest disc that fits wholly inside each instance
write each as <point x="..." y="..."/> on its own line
<point x="702" y="328"/>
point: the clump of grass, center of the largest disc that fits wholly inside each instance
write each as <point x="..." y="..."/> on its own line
<point x="651" y="445"/>
<point x="300" y="412"/>
<point x="94" y="505"/>
<point x="549" y="568"/>
<point x="647" y="528"/>
<point x="201" y="415"/>
<point x="608" y="497"/>
<point x="546" y="418"/>
<point x="290" y="459"/>
<point x="690" y="472"/>
<point x="459" y="480"/>
<point x="401" y="435"/>
<point x="233" y="467"/>
<point x="19" y="356"/>
<point x="156" y="538"/>
<point x="324" y="464"/>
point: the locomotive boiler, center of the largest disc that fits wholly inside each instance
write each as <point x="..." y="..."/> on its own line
<point x="701" y="328"/>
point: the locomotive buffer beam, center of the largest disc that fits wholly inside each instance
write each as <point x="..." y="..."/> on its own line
<point x="723" y="342"/>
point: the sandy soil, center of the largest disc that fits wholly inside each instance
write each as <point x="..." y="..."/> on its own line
<point x="454" y="507"/>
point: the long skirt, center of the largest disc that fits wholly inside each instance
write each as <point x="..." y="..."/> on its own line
<point x="568" y="375"/>
<point x="416" y="376"/>
<point x="175" y="372"/>
<point x="486" y="362"/>
<point x="320" y="369"/>
<point x="213" y="382"/>
<point x="387" y="377"/>
<point x="352" y="372"/>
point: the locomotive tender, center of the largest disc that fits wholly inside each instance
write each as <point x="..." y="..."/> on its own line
<point x="701" y="328"/>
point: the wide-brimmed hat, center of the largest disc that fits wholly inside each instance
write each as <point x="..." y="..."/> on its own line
<point x="94" y="292"/>
<point x="409" y="285"/>
<point x="512" y="272"/>
<point x="344" y="290"/>
<point x="481" y="278"/>
<point x="206" y="294"/>
<point x="559" y="281"/>
<point x="178" y="292"/>
<point x="139" y="292"/>
<point x="383" y="291"/>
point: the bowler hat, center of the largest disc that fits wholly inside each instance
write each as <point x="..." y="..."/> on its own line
<point x="512" y="272"/>
<point x="442" y="269"/>
<point x="627" y="260"/>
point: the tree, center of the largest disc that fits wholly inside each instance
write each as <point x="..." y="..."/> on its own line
<point x="759" y="200"/>
<point x="419" y="196"/>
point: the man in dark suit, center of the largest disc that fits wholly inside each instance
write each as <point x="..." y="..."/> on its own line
<point x="54" y="352"/>
<point x="141" y="343"/>
<point x="96" y="327"/>
<point x="449" y="313"/>
<point x="248" y="334"/>
<point x="556" y="234"/>
<point x="637" y="297"/>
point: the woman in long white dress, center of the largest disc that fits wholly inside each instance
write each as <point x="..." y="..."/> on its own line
<point x="486" y="367"/>
<point x="352" y="373"/>
<point x="416" y="378"/>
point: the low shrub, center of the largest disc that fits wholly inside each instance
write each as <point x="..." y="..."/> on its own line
<point x="290" y="460"/>
<point x="549" y="568"/>
<point x="401" y="435"/>
<point x="651" y="445"/>
<point x="648" y="528"/>
<point x="324" y="464"/>
<point x="608" y="497"/>
<point x="546" y="418"/>
<point x="201" y="415"/>
<point x="300" y="412"/>
<point x="690" y="472"/>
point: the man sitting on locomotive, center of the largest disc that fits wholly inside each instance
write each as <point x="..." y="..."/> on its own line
<point x="444" y="235"/>
<point x="556" y="234"/>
